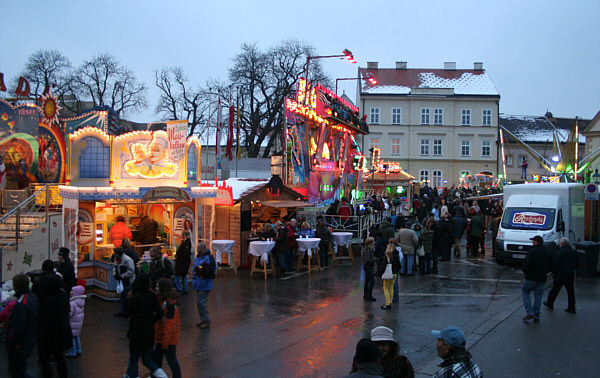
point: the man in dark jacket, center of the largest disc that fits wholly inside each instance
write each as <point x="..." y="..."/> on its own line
<point x="563" y="272"/>
<point x="387" y="229"/>
<point x="460" y="225"/>
<point x="281" y="249"/>
<point x="22" y="327"/>
<point x="66" y="269"/>
<point x="536" y="266"/>
<point x="147" y="230"/>
<point x="366" y="362"/>
<point x="55" y="335"/>
<point x="160" y="266"/>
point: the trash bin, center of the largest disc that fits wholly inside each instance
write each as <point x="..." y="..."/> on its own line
<point x="588" y="258"/>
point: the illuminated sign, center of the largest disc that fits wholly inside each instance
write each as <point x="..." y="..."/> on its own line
<point x="388" y="167"/>
<point x="531" y="219"/>
<point x="151" y="161"/>
<point x="304" y="110"/>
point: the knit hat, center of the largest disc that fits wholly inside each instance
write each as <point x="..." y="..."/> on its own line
<point x="366" y="351"/>
<point x="382" y="333"/>
<point x="452" y="336"/>
<point x="63" y="252"/>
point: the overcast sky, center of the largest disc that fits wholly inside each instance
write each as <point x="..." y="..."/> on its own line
<point x="541" y="55"/>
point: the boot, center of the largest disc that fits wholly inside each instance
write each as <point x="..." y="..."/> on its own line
<point x="159" y="373"/>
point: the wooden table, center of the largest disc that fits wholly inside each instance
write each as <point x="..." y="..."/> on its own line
<point x="341" y="241"/>
<point x="308" y="245"/>
<point x="263" y="250"/>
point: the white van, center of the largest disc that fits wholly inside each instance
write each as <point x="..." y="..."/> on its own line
<point x="552" y="211"/>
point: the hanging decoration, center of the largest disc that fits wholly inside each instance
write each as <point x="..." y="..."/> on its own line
<point x="50" y="108"/>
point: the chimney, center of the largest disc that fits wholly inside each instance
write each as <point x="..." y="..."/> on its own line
<point x="401" y="65"/>
<point x="478" y="66"/>
<point x="450" y="66"/>
<point x="372" y="65"/>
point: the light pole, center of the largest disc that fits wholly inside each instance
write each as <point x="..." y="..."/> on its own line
<point x="370" y="78"/>
<point x="346" y="54"/>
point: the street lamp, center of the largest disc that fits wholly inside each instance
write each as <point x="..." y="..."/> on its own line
<point x="345" y="54"/>
<point x="370" y="78"/>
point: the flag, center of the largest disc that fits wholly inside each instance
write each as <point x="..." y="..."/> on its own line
<point x="229" y="152"/>
<point x="219" y="126"/>
<point x="239" y="148"/>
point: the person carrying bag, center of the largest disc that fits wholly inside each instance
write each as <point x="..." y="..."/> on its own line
<point x="391" y="262"/>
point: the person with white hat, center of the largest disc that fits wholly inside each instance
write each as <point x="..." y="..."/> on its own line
<point x="394" y="363"/>
<point x="458" y="362"/>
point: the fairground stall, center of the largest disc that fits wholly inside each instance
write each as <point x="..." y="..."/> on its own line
<point x="243" y="206"/>
<point x="479" y="181"/>
<point x="324" y="161"/>
<point x="137" y="174"/>
<point x="390" y="180"/>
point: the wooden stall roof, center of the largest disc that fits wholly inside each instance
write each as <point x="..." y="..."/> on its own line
<point x="390" y="177"/>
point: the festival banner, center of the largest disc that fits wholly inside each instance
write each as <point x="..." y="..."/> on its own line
<point x="177" y="135"/>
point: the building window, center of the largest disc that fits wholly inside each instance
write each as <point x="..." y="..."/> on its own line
<point x="464" y="173"/>
<point x="438" y="116"/>
<point x="374" y="143"/>
<point x="437" y="147"/>
<point x="374" y="115"/>
<point x="465" y="148"/>
<point x="425" y="116"/>
<point x="486" y="117"/>
<point x="192" y="162"/>
<point x="522" y="159"/>
<point x="95" y="159"/>
<point x="424" y="175"/>
<point x="509" y="160"/>
<point x="437" y="178"/>
<point x="424" y="146"/>
<point x="465" y="117"/>
<point x="397" y="116"/>
<point x="395" y="146"/>
<point x="486" y="148"/>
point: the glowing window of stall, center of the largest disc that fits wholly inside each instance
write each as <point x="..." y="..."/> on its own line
<point x="95" y="158"/>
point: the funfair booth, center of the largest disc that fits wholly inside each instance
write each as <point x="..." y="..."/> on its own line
<point x="153" y="173"/>
<point x="324" y="161"/>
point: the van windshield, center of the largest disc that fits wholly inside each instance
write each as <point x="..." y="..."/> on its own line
<point x="528" y="218"/>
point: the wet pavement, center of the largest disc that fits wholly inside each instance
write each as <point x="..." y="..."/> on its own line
<point x="308" y="326"/>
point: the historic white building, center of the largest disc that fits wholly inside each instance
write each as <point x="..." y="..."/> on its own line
<point x="437" y="123"/>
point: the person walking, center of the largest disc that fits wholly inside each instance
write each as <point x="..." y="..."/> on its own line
<point x="394" y="363"/>
<point x="408" y="241"/>
<point x="387" y="229"/>
<point x="143" y="310"/>
<point x="368" y="264"/>
<point x="123" y="271"/>
<point x="55" y="335"/>
<point x="292" y="244"/>
<point x="118" y="232"/>
<point x="460" y="225"/>
<point x="182" y="263"/>
<point x="168" y="329"/>
<point x="392" y="256"/>
<point x="281" y="249"/>
<point x="22" y="327"/>
<point x="537" y="264"/>
<point x="205" y="269"/>
<point x="160" y="266"/>
<point x="66" y="269"/>
<point x="458" y="361"/>
<point x="426" y="239"/>
<point x="76" y="316"/>
<point x="563" y="271"/>
<point x="447" y="236"/>
<point x="477" y="231"/>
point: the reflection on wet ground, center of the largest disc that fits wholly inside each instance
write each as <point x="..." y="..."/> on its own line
<point x="303" y="325"/>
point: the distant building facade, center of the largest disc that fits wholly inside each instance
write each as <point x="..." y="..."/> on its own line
<point x="439" y="124"/>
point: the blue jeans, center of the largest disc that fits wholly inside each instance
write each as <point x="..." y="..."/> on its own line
<point x="538" y="293"/>
<point x="407" y="263"/>
<point x="178" y="280"/>
<point x="369" y="282"/>
<point x="201" y="298"/>
<point x="134" y="357"/>
<point x="396" y="296"/>
<point x="171" y="355"/>
<point x="76" y="348"/>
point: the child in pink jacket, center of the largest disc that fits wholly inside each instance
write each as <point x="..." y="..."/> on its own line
<point x="76" y="303"/>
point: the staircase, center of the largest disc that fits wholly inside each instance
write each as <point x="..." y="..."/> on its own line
<point x="25" y="234"/>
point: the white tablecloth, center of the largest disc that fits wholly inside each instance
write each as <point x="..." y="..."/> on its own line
<point x="222" y="246"/>
<point x="341" y="238"/>
<point x="307" y="244"/>
<point x="261" y="249"/>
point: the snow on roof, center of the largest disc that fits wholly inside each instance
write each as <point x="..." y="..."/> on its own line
<point x="394" y="81"/>
<point x="241" y="187"/>
<point x="537" y="128"/>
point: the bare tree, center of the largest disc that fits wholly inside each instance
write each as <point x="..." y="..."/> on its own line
<point x="264" y="80"/>
<point x="178" y="100"/>
<point x="103" y="80"/>
<point x="46" y="69"/>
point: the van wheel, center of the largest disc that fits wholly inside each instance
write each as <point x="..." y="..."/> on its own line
<point x="499" y="261"/>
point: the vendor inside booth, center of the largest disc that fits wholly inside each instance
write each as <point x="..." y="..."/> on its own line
<point x="150" y="191"/>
